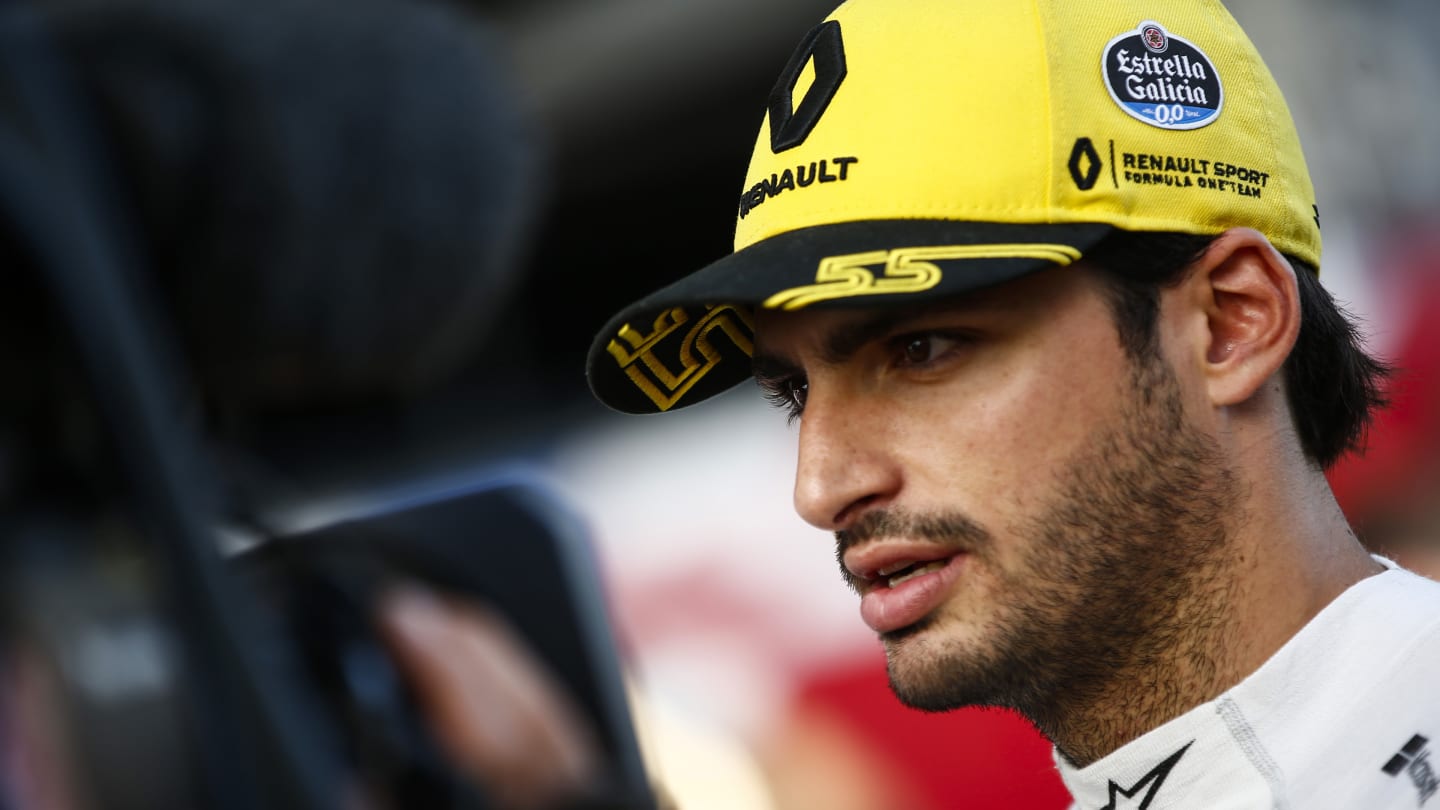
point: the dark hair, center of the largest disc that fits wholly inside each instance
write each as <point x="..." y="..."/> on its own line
<point x="1332" y="384"/>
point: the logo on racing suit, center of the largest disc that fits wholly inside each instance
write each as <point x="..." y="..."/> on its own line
<point x="1150" y="783"/>
<point x="1414" y="759"/>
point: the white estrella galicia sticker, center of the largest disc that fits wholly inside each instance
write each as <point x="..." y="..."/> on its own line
<point x="1162" y="79"/>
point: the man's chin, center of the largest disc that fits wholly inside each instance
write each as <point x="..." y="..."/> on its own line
<point x="927" y="694"/>
<point x="936" y="674"/>
<point x="919" y="674"/>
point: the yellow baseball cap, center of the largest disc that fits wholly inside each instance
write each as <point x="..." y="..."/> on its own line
<point x="915" y="149"/>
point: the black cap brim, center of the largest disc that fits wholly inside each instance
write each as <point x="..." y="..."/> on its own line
<point x="693" y="339"/>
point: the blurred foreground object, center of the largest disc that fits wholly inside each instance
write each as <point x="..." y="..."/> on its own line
<point x="461" y="657"/>
<point x="218" y="217"/>
<point x="331" y="196"/>
<point x="502" y="561"/>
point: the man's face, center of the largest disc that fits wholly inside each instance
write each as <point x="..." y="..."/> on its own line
<point x="1022" y="506"/>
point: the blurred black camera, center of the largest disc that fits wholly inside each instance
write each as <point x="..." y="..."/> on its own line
<point x="218" y="218"/>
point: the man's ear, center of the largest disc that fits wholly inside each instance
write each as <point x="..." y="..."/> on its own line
<point x="1251" y="301"/>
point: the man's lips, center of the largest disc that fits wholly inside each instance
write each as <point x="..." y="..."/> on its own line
<point x="901" y="582"/>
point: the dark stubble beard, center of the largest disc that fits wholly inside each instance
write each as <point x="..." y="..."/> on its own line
<point x="1122" y="575"/>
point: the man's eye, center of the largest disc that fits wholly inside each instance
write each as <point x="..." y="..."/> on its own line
<point x="787" y="394"/>
<point x="919" y="350"/>
<point x="797" y="389"/>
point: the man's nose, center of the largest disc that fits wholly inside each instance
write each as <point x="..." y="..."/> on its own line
<point x="844" y="467"/>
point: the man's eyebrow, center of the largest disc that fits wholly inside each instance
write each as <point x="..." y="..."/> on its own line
<point x="844" y="340"/>
<point x="836" y="346"/>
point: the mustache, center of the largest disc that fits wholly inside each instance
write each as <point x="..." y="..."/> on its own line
<point x="945" y="528"/>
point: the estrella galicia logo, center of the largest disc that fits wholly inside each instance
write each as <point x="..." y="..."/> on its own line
<point x="1162" y="79"/>
<point x="791" y="122"/>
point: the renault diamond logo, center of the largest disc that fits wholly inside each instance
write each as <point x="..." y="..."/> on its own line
<point x="791" y="122"/>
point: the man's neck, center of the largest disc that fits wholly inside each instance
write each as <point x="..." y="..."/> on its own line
<point x="1291" y="557"/>
<point x="1195" y="664"/>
